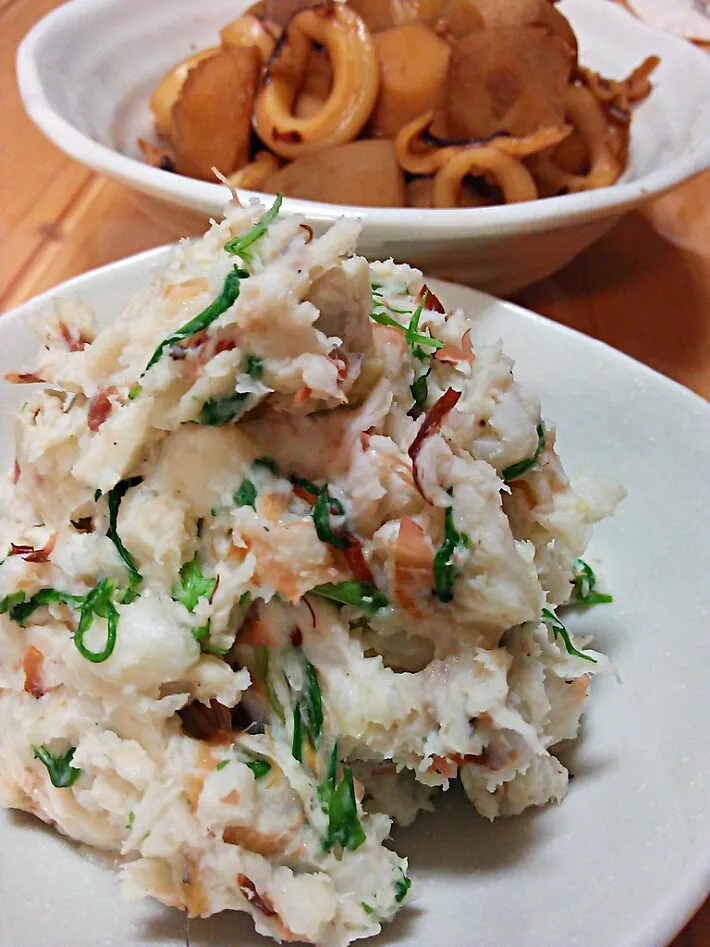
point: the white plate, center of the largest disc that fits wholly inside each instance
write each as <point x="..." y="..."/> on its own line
<point x="626" y="858"/>
<point x="87" y="69"/>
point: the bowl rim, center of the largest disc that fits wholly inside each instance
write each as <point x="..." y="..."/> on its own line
<point x="548" y="214"/>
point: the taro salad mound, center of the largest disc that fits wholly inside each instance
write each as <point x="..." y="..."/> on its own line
<point x="284" y="548"/>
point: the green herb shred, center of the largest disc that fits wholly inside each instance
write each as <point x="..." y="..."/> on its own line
<point x="261" y="661"/>
<point x="362" y="595"/>
<point x="192" y="585"/>
<point x="366" y="908"/>
<point x="524" y="466"/>
<point x="259" y="768"/>
<point x="413" y="338"/>
<point x="220" y="411"/>
<point x="239" y="246"/>
<point x="444" y="571"/>
<point x="401" y="887"/>
<point x="98" y="604"/>
<point x="134" y="391"/>
<point x="321" y="519"/>
<point x="558" y="629"/>
<point x="225" y="300"/>
<point x="344" y="827"/>
<point x="131" y="819"/>
<point x="246" y="494"/>
<point x="584" y="584"/>
<point x="420" y="393"/>
<point x="62" y="774"/>
<point x="297" y="743"/>
<point x="222" y="764"/>
<point x="313" y="703"/>
<point x="19" y="608"/>
<point x="115" y="496"/>
<point x="202" y="637"/>
<point x="269" y="463"/>
<point x="253" y="366"/>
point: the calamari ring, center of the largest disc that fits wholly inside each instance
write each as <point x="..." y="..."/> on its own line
<point x="426" y="159"/>
<point x="356" y="79"/>
<point x="587" y="116"/>
<point x="255" y="174"/>
<point x="250" y="30"/>
<point x="511" y="175"/>
<point x="419" y="152"/>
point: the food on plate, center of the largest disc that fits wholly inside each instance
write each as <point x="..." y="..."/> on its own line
<point x="452" y="85"/>
<point x="285" y="551"/>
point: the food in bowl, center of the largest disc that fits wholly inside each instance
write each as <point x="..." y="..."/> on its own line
<point x="424" y="103"/>
<point x="285" y="550"/>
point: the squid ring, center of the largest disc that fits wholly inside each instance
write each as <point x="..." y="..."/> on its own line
<point x="356" y="80"/>
<point x="249" y="30"/>
<point x="513" y="178"/>
<point x="425" y="159"/>
<point x="419" y="155"/>
<point x="587" y="116"/>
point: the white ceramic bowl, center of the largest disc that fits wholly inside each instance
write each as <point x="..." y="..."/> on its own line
<point x="625" y="859"/>
<point x="87" y="69"/>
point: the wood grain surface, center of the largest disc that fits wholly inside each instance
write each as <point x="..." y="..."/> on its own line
<point x="644" y="288"/>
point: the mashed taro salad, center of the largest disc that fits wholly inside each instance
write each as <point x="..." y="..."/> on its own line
<point x="285" y="547"/>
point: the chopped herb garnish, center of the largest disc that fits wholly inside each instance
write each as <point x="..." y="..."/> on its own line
<point x="246" y="494"/>
<point x="362" y="595"/>
<point x="412" y="330"/>
<point x="297" y="742"/>
<point x="97" y="495"/>
<point x="344" y="826"/>
<point x="420" y="393"/>
<point x="192" y="585"/>
<point x="61" y="773"/>
<point x="401" y="887"/>
<point x="261" y="659"/>
<point x="269" y="463"/>
<point x="245" y="598"/>
<point x="202" y="637"/>
<point x="134" y="391"/>
<point x="558" y="628"/>
<point x="98" y="604"/>
<point x="524" y="466"/>
<point x="584" y="584"/>
<point x="413" y="338"/>
<point x="326" y="789"/>
<point x="220" y="411"/>
<point x="131" y="820"/>
<point x="253" y="366"/>
<point x="115" y="497"/>
<point x="222" y="764"/>
<point x="259" y="768"/>
<point x="239" y="246"/>
<point x="226" y="299"/>
<point x="444" y="571"/>
<point x="313" y="703"/>
<point x="321" y="519"/>
<point x="19" y="608"/>
<point x="366" y="908"/>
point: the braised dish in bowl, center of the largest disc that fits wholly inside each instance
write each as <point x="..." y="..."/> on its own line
<point x="88" y="70"/>
<point x="423" y="103"/>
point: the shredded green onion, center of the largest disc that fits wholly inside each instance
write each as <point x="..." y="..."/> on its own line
<point x="524" y="466"/>
<point x="239" y="246"/>
<point x="246" y="494"/>
<point x="584" y="584"/>
<point x="444" y="571"/>
<point x="62" y="774"/>
<point x="362" y="595"/>
<point x="115" y="496"/>
<point x="220" y="411"/>
<point x="558" y="629"/>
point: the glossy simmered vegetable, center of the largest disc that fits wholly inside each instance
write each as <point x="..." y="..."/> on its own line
<point x="509" y="80"/>
<point x="363" y="173"/>
<point x="452" y="19"/>
<point x="383" y="14"/>
<point x="542" y="13"/>
<point x="413" y="64"/>
<point x="168" y="90"/>
<point x="211" y="121"/>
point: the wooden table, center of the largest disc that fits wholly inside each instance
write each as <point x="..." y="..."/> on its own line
<point x="644" y="288"/>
